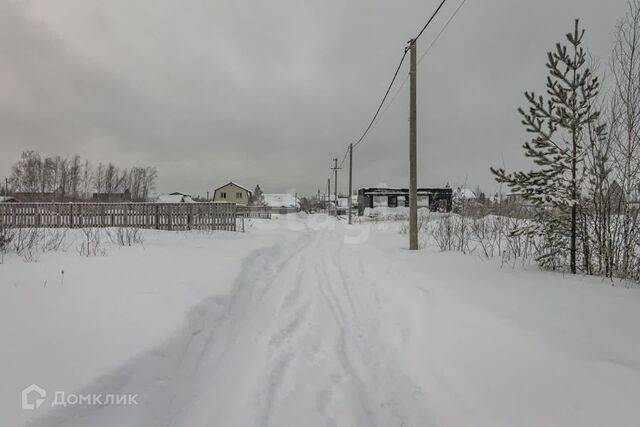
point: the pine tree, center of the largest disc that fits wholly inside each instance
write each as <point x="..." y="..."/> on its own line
<point x="563" y="122"/>
<point x="257" y="199"/>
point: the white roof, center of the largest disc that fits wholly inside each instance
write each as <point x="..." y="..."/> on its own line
<point x="276" y="200"/>
<point x="464" y="193"/>
<point x="237" y="185"/>
<point x="175" y="198"/>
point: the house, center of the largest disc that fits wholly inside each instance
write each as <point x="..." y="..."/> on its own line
<point x="111" y="197"/>
<point x="8" y="199"/>
<point x="432" y="198"/>
<point x="42" y="196"/>
<point x="462" y="194"/>
<point x="232" y="193"/>
<point x="175" y="198"/>
<point x="281" y="203"/>
<point x="177" y="193"/>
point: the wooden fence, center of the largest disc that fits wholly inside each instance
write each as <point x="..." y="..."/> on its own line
<point x="160" y="216"/>
<point x="262" y="212"/>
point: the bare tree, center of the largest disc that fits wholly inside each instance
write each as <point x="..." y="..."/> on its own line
<point x="86" y="180"/>
<point x="75" y="170"/>
<point x="625" y="64"/>
<point x="99" y="178"/>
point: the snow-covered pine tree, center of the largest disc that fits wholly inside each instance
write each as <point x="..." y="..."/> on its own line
<point x="257" y="198"/>
<point x="562" y="124"/>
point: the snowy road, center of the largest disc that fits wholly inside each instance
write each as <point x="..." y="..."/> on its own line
<point x="318" y="331"/>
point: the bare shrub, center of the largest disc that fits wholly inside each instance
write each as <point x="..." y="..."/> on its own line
<point x="26" y="242"/>
<point x="91" y="243"/>
<point x="126" y="236"/>
<point x="6" y="236"/>
<point x="484" y="234"/>
<point x="444" y="233"/>
<point x="55" y="240"/>
<point x="461" y="232"/>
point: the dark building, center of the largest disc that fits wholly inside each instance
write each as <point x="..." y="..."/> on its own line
<point x="40" y="197"/>
<point x="111" y="197"/>
<point x="436" y="199"/>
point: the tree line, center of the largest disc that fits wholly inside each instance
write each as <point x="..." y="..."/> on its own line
<point x="77" y="179"/>
<point x="585" y="139"/>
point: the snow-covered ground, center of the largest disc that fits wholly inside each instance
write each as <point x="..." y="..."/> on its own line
<point x="305" y="321"/>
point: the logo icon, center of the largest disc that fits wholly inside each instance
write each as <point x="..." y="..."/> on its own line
<point x="33" y="396"/>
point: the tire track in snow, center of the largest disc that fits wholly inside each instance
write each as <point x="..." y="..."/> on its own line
<point x="297" y="340"/>
<point x="288" y="320"/>
<point x="166" y="378"/>
<point x="346" y="337"/>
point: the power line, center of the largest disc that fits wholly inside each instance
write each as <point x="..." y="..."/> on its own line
<point x="345" y="157"/>
<point x="428" y="22"/>
<point x="435" y="40"/>
<point x="435" y="13"/>
<point x="395" y="75"/>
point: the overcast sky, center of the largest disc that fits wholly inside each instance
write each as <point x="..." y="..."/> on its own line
<point x="269" y="91"/>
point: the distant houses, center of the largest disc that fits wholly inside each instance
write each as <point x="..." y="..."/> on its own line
<point x="232" y="193"/>
<point x="343" y="202"/>
<point x="123" y="197"/>
<point x="41" y="197"/>
<point x="175" y="198"/>
<point x="281" y="203"/>
<point x="461" y="194"/>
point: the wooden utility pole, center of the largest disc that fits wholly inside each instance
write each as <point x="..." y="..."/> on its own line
<point x="335" y="183"/>
<point x="350" y="178"/>
<point x="328" y="201"/>
<point x="413" y="178"/>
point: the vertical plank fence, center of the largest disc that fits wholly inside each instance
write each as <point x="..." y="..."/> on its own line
<point x="159" y="216"/>
<point x="261" y="212"/>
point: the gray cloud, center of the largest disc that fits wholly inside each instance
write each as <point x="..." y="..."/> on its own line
<point x="269" y="91"/>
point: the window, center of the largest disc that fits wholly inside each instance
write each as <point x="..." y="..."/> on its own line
<point x="380" y="201"/>
<point x="423" y="201"/>
<point x="223" y="195"/>
<point x="239" y="195"/>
